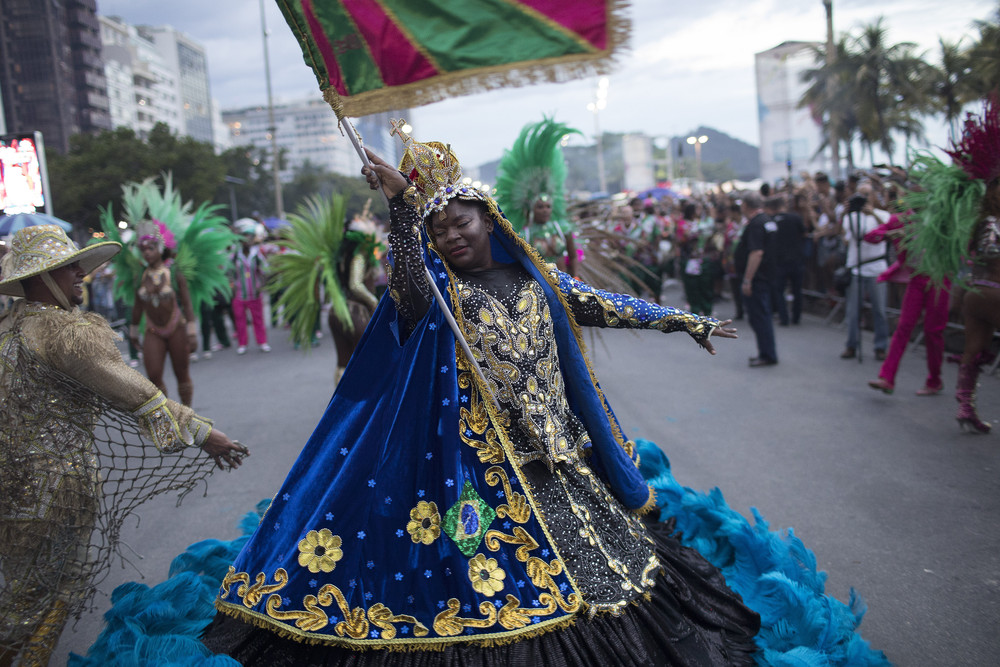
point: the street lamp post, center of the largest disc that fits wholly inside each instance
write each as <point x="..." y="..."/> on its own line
<point x="697" y="142"/>
<point x="595" y="107"/>
<point x="272" y="130"/>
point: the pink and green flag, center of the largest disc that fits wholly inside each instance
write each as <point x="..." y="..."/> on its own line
<point x="376" y="55"/>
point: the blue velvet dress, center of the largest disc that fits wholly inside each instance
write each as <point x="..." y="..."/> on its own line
<point x="425" y="524"/>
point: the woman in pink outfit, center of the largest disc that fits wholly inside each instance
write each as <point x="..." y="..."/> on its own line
<point x="921" y="296"/>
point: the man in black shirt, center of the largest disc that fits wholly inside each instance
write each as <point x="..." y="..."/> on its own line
<point x="755" y="261"/>
<point x="789" y="260"/>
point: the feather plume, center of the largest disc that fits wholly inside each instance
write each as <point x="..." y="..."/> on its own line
<point x="312" y="243"/>
<point x="533" y="167"/>
<point x="202" y="239"/>
<point x="945" y="207"/>
<point x="978" y="151"/>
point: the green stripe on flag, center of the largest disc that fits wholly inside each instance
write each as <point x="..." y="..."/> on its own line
<point x="453" y="33"/>
<point x="357" y="67"/>
<point x="292" y="11"/>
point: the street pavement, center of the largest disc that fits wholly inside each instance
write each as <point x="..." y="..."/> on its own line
<point x="894" y="501"/>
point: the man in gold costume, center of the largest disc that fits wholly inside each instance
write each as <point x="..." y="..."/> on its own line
<point x="73" y="464"/>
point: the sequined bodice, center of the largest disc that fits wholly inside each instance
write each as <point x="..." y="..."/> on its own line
<point x="510" y="331"/>
<point x="988" y="240"/>
<point x="509" y="328"/>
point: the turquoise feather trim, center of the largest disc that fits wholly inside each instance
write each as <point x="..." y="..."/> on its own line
<point x="161" y="625"/>
<point x="775" y="574"/>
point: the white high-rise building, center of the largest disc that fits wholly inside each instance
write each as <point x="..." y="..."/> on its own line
<point x="790" y="137"/>
<point x="142" y="88"/>
<point x="307" y="131"/>
<point x="186" y="57"/>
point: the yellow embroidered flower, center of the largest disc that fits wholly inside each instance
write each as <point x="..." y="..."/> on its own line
<point x="320" y="551"/>
<point x="485" y="575"/>
<point x="425" y="523"/>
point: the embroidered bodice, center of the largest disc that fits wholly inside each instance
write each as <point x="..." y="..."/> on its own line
<point x="510" y="331"/>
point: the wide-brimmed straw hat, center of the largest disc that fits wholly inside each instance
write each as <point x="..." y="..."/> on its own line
<point x="41" y="248"/>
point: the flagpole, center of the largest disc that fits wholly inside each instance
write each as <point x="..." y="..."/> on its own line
<point x="353" y="135"/>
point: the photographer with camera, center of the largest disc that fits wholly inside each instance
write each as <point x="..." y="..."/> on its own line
<point x="866" y="261"/>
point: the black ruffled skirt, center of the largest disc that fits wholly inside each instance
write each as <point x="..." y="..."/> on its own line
<point x="692" y="618"/>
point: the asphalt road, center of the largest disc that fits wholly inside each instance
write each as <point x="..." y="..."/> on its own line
<point x="893" y="500"/>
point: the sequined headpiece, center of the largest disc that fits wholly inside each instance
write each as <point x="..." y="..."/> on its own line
<point x="978" y="151"/>
<point x="158" y="232"/>
<point x="436" y="174"/>
<point x="42" y="248"/>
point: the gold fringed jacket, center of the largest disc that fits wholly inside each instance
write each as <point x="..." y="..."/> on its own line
<point x="84" y="439"/>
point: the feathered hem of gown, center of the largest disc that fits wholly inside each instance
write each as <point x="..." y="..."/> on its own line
<point x="774" y="573"/>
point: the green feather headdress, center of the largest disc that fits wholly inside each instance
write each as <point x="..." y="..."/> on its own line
<point x="532" y="169"/>
<point x="202" y="236"/>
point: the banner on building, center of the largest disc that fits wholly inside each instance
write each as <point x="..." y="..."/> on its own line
<point x="24" y="186"/>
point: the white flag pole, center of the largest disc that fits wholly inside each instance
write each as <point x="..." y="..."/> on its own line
<point x="353" y="135"/>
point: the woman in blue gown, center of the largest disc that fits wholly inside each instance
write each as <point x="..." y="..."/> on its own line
<point x="446" y="515"/>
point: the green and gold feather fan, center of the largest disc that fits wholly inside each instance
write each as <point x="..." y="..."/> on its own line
<point x="311" y="247"/>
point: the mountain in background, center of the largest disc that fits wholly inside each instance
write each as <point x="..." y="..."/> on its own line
<point x="743" y="159"/>
<point x="723" y="158"/>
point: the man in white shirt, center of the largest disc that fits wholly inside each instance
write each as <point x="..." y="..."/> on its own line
<point x="863" y="217"/>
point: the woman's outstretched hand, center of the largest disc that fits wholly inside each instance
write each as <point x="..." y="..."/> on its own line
<point x="722" y="331"/>
<point x="228" y="454"/>
<point x="380" y="172"/>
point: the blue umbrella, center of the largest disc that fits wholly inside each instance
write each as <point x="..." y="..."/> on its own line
<point x="275" y="223"/>
<point x="9" y="224"/>
<point x="658" y="193"/>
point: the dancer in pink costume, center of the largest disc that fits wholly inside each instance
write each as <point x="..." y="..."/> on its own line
<point x="921" y="296"/>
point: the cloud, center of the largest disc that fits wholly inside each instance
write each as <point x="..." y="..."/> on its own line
<point x="690" y="63"/>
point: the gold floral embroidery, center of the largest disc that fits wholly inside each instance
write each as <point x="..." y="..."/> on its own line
<point x="320" y="551"/>
<point x="516" y="506"/>
<point x="448" y="623"/>
<point x="425" y="523"/>
<point x="486" y="576"/>
<point x="382" y="617"/>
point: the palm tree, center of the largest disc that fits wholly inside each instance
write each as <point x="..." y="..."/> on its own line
<point x="825" y="96"/>
<point x="949" y="83"/>
<point x="984" y="56"/>
<point x="887" y="93"/>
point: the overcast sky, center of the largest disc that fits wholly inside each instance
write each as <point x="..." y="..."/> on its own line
<point x="689" y="64"/>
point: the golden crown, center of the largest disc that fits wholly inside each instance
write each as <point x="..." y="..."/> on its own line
<point x="435" y="173"/>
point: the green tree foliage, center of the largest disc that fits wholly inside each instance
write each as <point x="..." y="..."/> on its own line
<point x="313" y="181"/>
<point x="889" y="89"/>
<point x="985" y="54"/>
<point x="89" y="176"/>
<point x="256" y="191"/>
